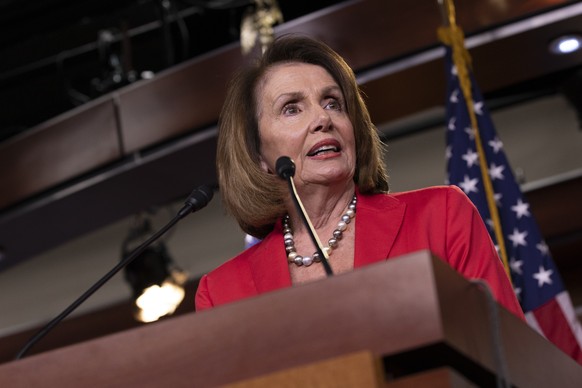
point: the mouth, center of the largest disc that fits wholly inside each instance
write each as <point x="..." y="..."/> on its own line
<point x="325" y="147"/>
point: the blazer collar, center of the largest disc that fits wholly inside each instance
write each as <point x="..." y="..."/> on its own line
<point x="378" y="220"/>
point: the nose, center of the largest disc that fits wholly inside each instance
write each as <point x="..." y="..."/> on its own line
<point x="321" y="121"/>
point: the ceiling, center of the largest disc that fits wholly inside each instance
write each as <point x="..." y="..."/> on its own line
<point x="59" y="54"/>
<point x="84" y="133"/>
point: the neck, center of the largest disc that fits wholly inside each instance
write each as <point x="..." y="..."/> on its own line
<point x="323" y="205"/>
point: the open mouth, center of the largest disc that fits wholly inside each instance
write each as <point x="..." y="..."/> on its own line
<point x="322" y="149"/>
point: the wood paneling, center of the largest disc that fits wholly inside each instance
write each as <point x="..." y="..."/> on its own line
<point x="57" y="151"/>
<point x="178" y="101"/>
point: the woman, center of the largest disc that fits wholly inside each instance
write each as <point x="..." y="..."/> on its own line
<point x="301" y="100"/>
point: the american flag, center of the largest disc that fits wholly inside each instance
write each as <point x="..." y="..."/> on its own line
<point x="536" y="281"/>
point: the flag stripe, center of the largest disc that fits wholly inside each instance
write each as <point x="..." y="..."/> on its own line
<point x="533" y="323"/>
<point x="565" y="303"/>
<point x="557" y="329"/>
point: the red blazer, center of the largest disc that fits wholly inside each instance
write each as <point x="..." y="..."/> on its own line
<point x="440" y="219"/>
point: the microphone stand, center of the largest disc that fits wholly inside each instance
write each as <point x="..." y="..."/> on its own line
<point x="196" y="201"/>
<point x="286" y="170"/>
<point x="311" y="229"/>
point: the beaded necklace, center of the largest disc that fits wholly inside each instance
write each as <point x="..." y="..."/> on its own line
<point x="332" y="243"/>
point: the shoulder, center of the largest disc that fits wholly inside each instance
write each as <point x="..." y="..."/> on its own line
<point x="448" y="197"/>
<point x="228" y="282"/>
<point x="434" y="200"/>
<point x="422" y="197"/>
<point x="239" y="269"/>
<point x="430" y="193"/>
<point x="234" y="267"/>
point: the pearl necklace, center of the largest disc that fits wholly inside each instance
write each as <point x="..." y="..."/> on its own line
<point x="293" y="257"/>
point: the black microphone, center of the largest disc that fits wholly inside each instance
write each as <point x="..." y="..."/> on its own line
<point x="285" y="168"/>
<point x="198" y="199"/>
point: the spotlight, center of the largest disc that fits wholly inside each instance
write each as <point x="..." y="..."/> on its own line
<point x="156" y="282"/>
<point x="566" y="44"/>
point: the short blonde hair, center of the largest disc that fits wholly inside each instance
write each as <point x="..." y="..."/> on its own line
<point x="254" y="197"/>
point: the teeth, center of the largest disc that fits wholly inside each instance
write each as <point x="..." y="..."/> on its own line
<point x="324" y="149"/>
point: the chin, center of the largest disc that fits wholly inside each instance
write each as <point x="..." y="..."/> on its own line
<point x="331" y="176"/>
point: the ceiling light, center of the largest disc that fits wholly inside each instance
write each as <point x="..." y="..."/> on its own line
<point x="156" y="282"/>
<point x="566" y="44"/>
<point x="157" y="301"/>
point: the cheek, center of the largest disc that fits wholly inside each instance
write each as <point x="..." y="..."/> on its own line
<point x="268" y="150"/>
<point x="268" y="147"/>
<point x="281" y="140"/>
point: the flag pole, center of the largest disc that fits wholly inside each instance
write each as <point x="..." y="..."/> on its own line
<point x="451" y="35"/>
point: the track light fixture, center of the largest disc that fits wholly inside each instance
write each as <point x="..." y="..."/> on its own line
<point x="257" y="24"/>
<point x="157" y="283"/>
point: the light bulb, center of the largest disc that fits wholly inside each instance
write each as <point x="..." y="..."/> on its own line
<point x="566" y="44"/>
<point x="156" y="302"/>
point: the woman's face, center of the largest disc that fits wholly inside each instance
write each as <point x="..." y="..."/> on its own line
<point x="302" y="115"/>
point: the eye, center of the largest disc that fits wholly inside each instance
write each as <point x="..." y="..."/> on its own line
<point x="334" y="104"/>
<point x="290" y="109"/>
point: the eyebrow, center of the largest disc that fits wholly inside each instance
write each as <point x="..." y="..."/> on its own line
<point x="288" y="96"/>
<point x="299" y="95"/>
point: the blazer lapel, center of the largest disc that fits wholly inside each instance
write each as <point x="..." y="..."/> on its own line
<point x="378" y="221"/>
<point x="268" y="265"/>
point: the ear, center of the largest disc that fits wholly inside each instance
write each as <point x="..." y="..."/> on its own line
<point x="264" y="165"/>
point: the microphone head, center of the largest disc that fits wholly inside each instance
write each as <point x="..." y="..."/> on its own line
<point x="199" y="198"/>
<point x="285" y="167"/>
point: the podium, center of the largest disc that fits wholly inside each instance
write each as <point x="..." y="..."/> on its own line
<point x="410" y="321"/>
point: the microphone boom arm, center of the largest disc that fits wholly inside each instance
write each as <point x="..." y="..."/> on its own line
<point x="197" y="200"/>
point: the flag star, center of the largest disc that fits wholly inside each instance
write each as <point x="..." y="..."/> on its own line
<point x="521" y="209"/>
<point x="543" y="248"/>
<point x="515" y="265"/>
<point x="454" y="98"/>
<point x="448" y="152"/>
<point x="469" y="185"/>
<point x="490" y="223"/>
<point x="497" y="197"/>
<point x="471" y="157"/>
<point x="496" y="144"/>
<point x="518" y="238"/>
<point x="517" y="292"/>
<point x="478" y="107"/>
<point x="543" y="276"/>
<point x="451" y="124"/>
<point x="471" y="132"/>
<point x="454" y="70"/>
<point x="496" y="172"/>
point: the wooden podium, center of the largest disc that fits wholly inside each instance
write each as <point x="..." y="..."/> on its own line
<point x="412" y="321"/>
